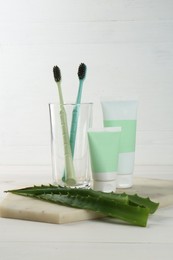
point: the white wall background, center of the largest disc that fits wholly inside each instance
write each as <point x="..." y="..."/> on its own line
<point x="128" y="48"/>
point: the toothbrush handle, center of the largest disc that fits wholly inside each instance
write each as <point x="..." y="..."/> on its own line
<point x="73" y="129"/>
<point x="69" y="167"/>
<point x="79" y="94"/>
<point x="75" y="117"/>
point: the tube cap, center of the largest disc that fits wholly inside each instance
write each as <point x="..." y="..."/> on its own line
<point x="124" y="180"/>
<point x="105" y="186"/>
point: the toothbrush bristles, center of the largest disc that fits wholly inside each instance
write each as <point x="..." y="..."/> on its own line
<point x="57" y="73"/>
<point x="82" y="71"/>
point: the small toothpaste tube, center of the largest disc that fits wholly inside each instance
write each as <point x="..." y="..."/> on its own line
<point x="123" y="113"/>
<point x="104" y="151"/>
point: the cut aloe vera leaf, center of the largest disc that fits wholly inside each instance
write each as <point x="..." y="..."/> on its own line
<point x="111" y="205"/>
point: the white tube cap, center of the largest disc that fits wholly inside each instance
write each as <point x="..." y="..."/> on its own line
<point x="105" y="186"/>
<point x="124" y="180"/>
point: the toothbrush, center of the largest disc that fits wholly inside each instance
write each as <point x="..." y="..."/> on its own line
<point x="75" y="114"/>
<point x="69" y="177"/>
<point x="81" y="74"/>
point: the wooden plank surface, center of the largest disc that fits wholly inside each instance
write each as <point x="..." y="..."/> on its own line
<point x="127" y="46"/>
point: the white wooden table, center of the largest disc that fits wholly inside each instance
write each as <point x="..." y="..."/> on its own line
<point x="92" y="239"/>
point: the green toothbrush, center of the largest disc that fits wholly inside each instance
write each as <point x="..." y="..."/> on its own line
<point x="69" y="177"/>
<point x="81" y="74"/>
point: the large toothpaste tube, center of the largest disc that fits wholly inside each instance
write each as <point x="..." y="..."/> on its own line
<point x="123" y="113"/>
<point x="104" y="150"/>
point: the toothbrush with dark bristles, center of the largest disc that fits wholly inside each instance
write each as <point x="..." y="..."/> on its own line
<point x="81" y="75"/>
<point x="69" y="174"/>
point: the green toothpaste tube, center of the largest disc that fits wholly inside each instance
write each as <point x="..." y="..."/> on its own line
<point x="104" y="152"/>
<point x="123" y="113"/>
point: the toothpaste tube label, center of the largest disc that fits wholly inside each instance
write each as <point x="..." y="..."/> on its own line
<point x="128" y="133"/>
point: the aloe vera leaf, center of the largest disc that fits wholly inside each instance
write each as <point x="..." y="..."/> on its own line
<point x="135" y="199"/>
<point x="131" y="214"/>
<point x="90" y="200"/>
<point x="36" y="190"/>
<point x="145" y="202"/>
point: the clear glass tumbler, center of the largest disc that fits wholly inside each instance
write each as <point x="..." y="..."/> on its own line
<point x="79" y="120"/>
